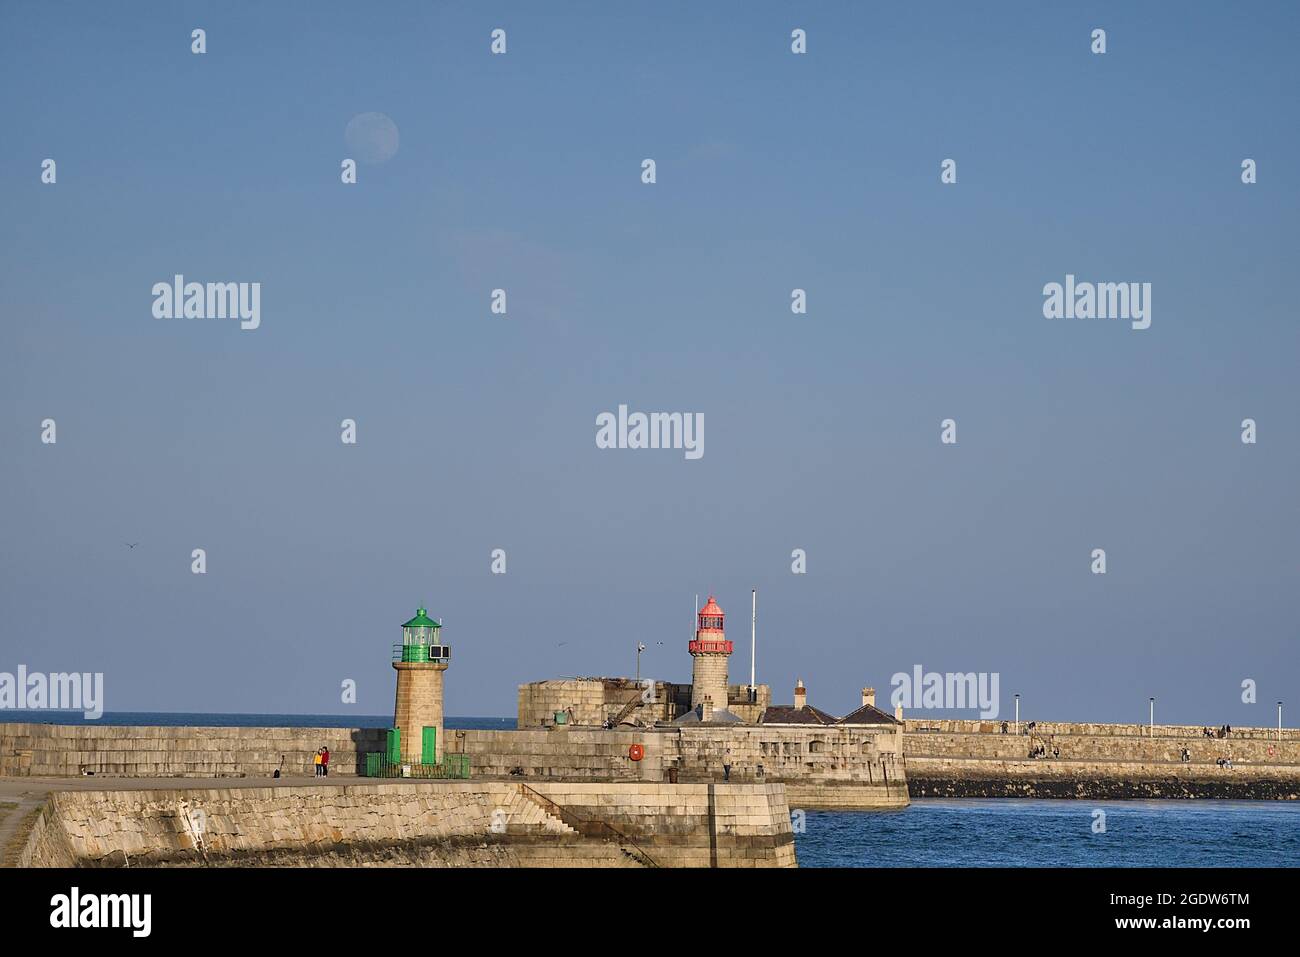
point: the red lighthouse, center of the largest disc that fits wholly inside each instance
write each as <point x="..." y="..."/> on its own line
<point x="710" y="650"/>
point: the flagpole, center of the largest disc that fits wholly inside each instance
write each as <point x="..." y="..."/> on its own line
<point x="753" y="640"/>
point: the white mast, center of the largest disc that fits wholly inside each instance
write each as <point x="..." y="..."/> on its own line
<point x="753" y="631"/>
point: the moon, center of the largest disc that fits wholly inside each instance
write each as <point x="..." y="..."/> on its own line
<point x="373" y="137"/>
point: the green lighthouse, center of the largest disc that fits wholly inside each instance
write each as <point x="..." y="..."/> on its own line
<point x="415" y="746"/>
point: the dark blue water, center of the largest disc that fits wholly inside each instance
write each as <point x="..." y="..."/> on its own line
<point x="164" y="719"/>
<point x="1034" y="833"/>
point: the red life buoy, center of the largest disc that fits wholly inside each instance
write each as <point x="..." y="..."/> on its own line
<point x="636" y="752"/>
<point x="1270" y="750"/>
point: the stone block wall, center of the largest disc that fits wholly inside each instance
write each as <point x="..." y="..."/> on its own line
<point x="972" y="726"/>
<point x="460" y="823"/>
<point x="130" y="751"/>
<point x="963" y="758"/>
<point x="595" y="699"/>
<point x="575" y="754"/>
<point x="1090" y="742"/>
<point x="864" y="759"/>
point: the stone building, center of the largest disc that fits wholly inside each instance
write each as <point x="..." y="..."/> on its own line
<point x="614" y="702"/>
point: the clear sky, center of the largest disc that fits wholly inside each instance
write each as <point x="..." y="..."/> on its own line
<point x="477" y="431"/>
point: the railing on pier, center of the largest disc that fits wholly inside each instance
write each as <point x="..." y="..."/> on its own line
<point x="453" y="766"/>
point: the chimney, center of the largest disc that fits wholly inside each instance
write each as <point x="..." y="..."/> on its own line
<point x="706" y="709"/>
<point x="800" y="694"/>
<point x="869" y="696"/>
<point x="898" y="712"/>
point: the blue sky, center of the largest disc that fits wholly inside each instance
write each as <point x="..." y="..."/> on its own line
<point x="476" y="432"/>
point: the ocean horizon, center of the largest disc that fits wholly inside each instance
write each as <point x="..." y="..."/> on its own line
<point x="187" y="719"/>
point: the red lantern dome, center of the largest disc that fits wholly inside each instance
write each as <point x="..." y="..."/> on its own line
<point x="711" y="616"/>
<point x="710" y="637"/>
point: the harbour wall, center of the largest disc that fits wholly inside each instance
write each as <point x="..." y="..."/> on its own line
<point x="861" y="765"/>
<point x="955" y="758"/>
<point x="427" y="824"/>
<point x="857" y="768"/>
<point x="67" y="750"/>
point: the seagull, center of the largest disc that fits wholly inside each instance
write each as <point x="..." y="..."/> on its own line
<point x="131" y="544"/>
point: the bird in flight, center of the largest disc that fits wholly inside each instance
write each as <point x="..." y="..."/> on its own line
<point x="131" y="545"/>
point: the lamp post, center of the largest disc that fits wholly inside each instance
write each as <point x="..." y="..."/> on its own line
<point x="639" y="648"/>
<point x="1279" y="721"/>
<point x="1153" y="717"/>
<point x="1017" y="714"/>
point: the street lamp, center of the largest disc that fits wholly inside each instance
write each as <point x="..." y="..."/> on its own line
<point x="1153" y="717"/>
<point x="1279" y="721"/>
<point x="639" y="648"/>
<point x="1017" y="714"/>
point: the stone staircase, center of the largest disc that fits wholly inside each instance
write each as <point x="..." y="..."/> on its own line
<point x="631" y="852"/>
<point x="628" y="708"/>
<point x="526" y="814"/>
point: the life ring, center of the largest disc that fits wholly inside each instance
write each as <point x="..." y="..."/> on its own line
<point x="1270" y="750"/>
<point x="636" y="752"/>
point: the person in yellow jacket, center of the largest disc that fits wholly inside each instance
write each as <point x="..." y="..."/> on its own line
<point x="317" y="761"/>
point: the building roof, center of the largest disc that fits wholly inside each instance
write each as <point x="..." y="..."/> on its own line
<point x="422" y="620"/>
<point x="789" y="714"/>
<point x="868" y="714"/>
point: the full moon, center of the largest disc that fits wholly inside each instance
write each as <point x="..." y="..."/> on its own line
<point x="372" y="137"/>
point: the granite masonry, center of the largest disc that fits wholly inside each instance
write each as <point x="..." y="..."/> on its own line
<point x="955" y="758"/>
<point x="427" y="824"/>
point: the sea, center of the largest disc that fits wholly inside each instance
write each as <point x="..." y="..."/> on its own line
<point x="1023" y="832"/>
<point x="186" y="720"/>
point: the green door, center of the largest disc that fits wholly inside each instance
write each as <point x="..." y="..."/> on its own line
<point x="429" y="746"/>
<point x="394" y="745"/>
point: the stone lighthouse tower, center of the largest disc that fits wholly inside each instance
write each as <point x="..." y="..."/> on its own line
<point x="710" y="651"/>
<point x="420" y="660"/>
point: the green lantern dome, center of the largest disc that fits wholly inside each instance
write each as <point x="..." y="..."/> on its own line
<point x="422" y="620"/>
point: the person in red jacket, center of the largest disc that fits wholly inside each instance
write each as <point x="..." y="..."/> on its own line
<point x="325" y="762"/>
